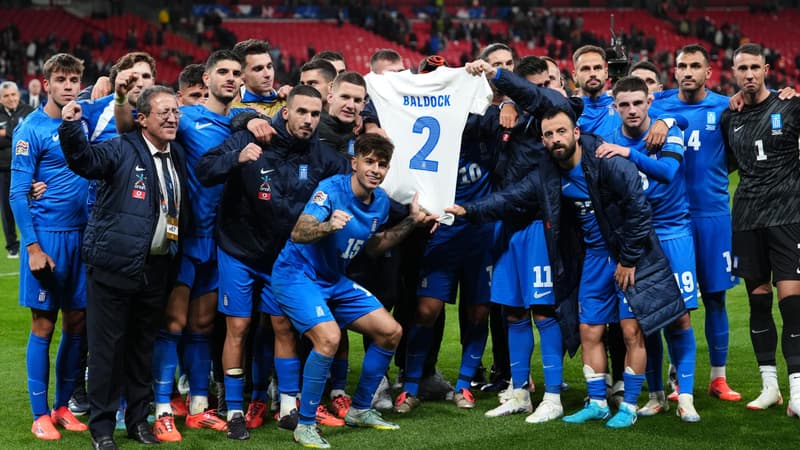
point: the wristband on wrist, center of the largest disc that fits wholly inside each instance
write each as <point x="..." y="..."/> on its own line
<point x="507" y="102"/>
<point x="670" y="122"/>
<point x="120" y="101"/>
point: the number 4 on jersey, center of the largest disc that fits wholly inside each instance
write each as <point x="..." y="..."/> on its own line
<point x="694" y="140"/>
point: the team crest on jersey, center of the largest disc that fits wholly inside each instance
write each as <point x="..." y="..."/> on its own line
<point x="139" y="187"/>
<point x="711" y="121"/>
<point x="776" y="121"/>
<point x="319" y="198"/>
<point x="22" y="148"/>
<point x="302" y="172"/>
<point x="42" y="296"/>
<point x="265" y="190"/>
<point x="374" y="224"/>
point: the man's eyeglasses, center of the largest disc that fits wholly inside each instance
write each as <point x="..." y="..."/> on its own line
<point x="164" y="115"/>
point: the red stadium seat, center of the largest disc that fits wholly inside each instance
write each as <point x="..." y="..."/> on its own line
<point x="294" y="38"/>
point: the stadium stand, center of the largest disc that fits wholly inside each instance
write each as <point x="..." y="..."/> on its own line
<point x="40" y="25"/>
<point x="458" y="34"/>
<point x="294" y="38"/>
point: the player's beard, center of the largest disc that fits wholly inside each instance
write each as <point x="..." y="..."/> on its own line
<point x="593" y="91"/>
<point x="222" y="95"/>
<point x="692" y="91"/>
<point x="566" y="155"/>
<point x="224" y="98"/>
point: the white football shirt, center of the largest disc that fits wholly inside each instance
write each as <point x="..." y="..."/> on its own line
<point x="424" y="116"/>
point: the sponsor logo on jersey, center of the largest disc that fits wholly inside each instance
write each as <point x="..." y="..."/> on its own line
<point x="302" y="172"/>
<point x="139" y="187"/>
<point x="22" y="148"/>
<point x="711" y="121"/>
<point x="319" y="198"/>
<point x="265" y="190"/>
<point x="776" y="121"/>
<point x="320" y="312"/>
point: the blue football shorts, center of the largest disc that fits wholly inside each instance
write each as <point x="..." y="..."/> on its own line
<point x="680" y="252"/>
<point x="64" y="288"/>
<point x="309" y="301"/>
<point x="712" y="243"/>
<point x="238" y="286"/>
<point x="600" y="300"/>
<point x="463" y="259"/>
<point x="522" y="276"/>
<point x="198" y="266"/>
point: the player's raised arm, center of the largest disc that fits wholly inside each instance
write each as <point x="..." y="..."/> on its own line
<point x="308" y="229"/>
<point x="508" y="110"/>
<point x="417" y="216"/>
<point x="123" y="84"/>
<point x="480" y="66"/>
<point x="215" y="166"/>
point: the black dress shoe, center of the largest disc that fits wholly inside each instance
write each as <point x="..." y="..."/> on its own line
<point x="141" y="432"/>
<point x="104" y="443"/>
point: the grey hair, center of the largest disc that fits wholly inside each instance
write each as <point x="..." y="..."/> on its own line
<point x="143" y="102"/>
<point x="8" y="85"/>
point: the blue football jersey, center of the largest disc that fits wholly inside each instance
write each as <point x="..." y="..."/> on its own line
<point x="574" y="188"/>
<point x="668" y="200"/>
<point x="329" y="256"/>
<point x="200" y="130"/>
<point x="38" y="156"/>
<point x="599" y="116"/>
<point x="97" y="117"/>
<point x="474" y="162"/>
<point x="475" y="166"/>
<point x="706" y="163"/>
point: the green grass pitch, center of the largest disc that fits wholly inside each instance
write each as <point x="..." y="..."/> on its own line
<point x="440" y="424"/>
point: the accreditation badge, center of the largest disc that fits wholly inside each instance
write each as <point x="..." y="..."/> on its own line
<point x="172" y="228"/>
